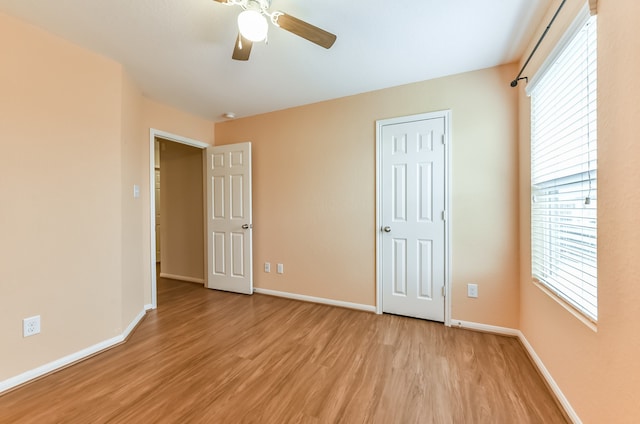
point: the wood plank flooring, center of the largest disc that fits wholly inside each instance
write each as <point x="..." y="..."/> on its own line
<point x="213" y="357"/>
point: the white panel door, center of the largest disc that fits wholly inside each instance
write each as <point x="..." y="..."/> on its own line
<point x="412" y="209"/>
<point x="229" y="229"/>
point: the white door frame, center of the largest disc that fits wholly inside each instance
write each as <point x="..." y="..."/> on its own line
<point x="446" y="114"/>
<point x="153" y="133"/>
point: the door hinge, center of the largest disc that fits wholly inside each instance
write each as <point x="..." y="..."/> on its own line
<point x="444" y="215"/>
<point x="444" y="139"/>
<point x="444" y="291"/>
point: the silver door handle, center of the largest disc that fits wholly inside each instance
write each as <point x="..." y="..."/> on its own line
<point x="246" y="226"/>
<point x="386" y="229"/>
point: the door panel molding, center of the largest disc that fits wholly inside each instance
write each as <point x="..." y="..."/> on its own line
<point x="400" y="145"/>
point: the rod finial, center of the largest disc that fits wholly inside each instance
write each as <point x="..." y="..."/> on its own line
<point x="514" y="83"/>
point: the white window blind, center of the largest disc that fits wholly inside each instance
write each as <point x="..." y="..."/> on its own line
<point x="564" y="173"/>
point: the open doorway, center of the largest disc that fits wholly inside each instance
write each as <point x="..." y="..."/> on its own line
<point x="177" y="209"/>
<point x="179" y="212"/>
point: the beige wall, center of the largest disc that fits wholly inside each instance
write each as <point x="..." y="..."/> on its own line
<point x="75" y="244"/>
<point x="133" y="244"/>
<point x="314" y="191"/>
<point x="166" y="118"/>
<point x="60" y="185"/>
<point x="181" y="210"/>
<point x="597" y="371"/>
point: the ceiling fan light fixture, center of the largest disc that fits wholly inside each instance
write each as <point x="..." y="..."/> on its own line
<point x="253" y="25"/>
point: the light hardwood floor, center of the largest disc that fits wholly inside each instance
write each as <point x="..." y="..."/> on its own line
<point x="213" y="357"/>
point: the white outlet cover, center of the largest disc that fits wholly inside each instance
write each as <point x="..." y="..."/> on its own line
<point x="267" y="267"/>
<point x="31" y="326"/>
<point x="280" y="269"/>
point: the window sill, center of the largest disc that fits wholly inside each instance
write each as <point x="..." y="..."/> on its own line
<point x="593" y="326"/>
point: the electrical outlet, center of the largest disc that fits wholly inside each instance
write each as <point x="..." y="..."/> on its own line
<point x="31" y="326"/>
<point x="280" y="269"/>
<point x="267" y="267"/>
<point x="472" y="290"/>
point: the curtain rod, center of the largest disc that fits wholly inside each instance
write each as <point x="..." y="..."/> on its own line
<point x="514" y="83"/>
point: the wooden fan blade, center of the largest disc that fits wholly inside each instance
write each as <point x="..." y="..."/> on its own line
<point x="242" y="49"/>
<point x="306" y="30"/>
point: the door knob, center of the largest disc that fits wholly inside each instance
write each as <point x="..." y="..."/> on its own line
<point x="246" y="226"/>
<point x="387" y="229"/>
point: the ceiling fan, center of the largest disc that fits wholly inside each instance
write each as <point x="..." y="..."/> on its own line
<point x="253" y="26"/>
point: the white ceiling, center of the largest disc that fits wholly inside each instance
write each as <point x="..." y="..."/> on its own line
<point x="179" y="52"/>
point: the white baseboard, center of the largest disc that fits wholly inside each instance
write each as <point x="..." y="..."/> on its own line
<point x="564" y="402"/>
<point x="132" y="325"/>
<point x="505" y="331"/>
<point x="313" y="299"/>
<point x="182" y="278"/>
<point x="148" y="306"/>
<point x="568" y="409"/>
<point x="27" y="376"/>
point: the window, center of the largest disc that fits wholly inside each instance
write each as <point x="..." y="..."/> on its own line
<point x="564" y="170"/>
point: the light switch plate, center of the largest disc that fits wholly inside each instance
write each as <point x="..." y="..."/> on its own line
<point x="472" y="290"/>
